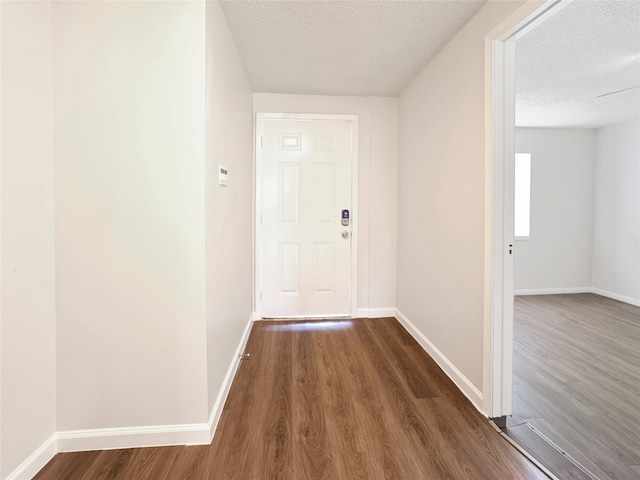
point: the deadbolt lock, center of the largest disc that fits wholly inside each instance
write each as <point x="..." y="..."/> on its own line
<point x="345" y="234"/>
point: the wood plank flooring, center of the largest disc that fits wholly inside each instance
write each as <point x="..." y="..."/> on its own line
<point x="348" y="399"/>
<point x="577" y="378"/>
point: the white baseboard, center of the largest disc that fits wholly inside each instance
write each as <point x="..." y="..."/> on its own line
<point x="559" y="291"/>
<point x="216" y="411"/>
<point x="133" y="437"/>
<point x="552" y="291"/>
<point x="376" y="312"/>
<point x="34" y="463"/>
<point x="155" y="436"/>
<point x="616" y="296"/>
<point x="462" y="382"/>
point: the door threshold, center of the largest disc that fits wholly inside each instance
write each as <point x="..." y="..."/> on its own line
<point x="545" y="453"/>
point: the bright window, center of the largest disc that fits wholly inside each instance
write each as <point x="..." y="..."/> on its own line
<point x="522" y="194"/>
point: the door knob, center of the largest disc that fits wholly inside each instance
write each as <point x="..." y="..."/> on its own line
<point x="345" y="234"/>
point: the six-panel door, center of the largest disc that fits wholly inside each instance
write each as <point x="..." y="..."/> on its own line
<point x="306" y="183"/>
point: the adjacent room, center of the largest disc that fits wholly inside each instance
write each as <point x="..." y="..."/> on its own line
<point x="577" y="245"/>
<point x="157" y="161"/>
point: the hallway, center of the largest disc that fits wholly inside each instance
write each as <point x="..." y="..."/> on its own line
<point x="361" y="400"/>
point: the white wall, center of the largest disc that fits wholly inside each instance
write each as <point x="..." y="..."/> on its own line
<point x="441" y="197"/>
<point x="585" y="212"/>
<point x="557" y="256"/>
<point x="616" y="233"/>
<point x="27" y="294"/>
<point x="377" y="189"/>
<point x="229" y="210"/>
<point x="383" y="201"/>
<point x="129" y="97"/>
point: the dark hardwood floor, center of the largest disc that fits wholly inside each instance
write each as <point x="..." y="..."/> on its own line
<point x="350" y="399"/>
<point x="577" y="378"/>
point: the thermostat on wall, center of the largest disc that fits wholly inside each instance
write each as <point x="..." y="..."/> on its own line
<point x="222" y="176"/>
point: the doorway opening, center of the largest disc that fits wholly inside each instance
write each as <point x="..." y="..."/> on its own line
<point x="574" y="312"/>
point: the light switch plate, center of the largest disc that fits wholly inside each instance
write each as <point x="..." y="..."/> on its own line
<point x="222" y="176"/>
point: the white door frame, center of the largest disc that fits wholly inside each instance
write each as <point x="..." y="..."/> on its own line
<point x="499" y="167"/>
<point x="258" y="201"/>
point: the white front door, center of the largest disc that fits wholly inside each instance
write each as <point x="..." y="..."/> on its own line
<point x="305" y="184"/>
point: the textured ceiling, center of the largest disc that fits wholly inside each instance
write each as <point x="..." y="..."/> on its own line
<point x="587" y="49"/>
<point x="341" y="47"/>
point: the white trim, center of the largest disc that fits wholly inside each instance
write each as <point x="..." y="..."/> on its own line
<point x="257" y="223"/>
<point x="597" y="291"/>
<point x="498" y="311"/>
<point x="552" y="291"/>
<point x="156" y="436"/>
<point x="354" y="119"/>
<point x="526" y="18"/>
<point x="462" y="382"/>
<point x="36" y="461"/>
<point x="616" y="296"/>
<point x="133" y="437"/>
<point x="381" y="312"/>
<point x="218" y="406"/>
<point x="499" y="157"/>
<point x="376" y="312"/>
